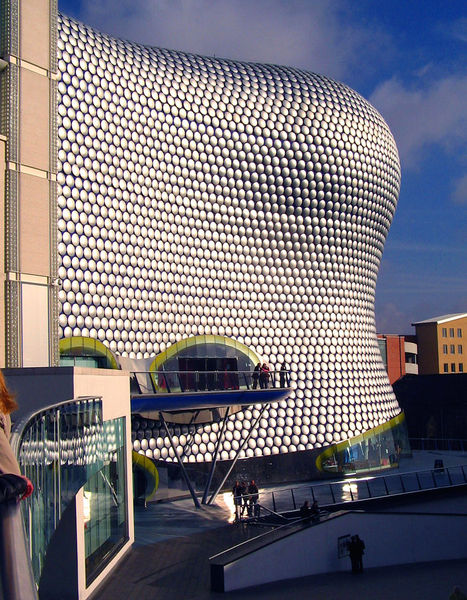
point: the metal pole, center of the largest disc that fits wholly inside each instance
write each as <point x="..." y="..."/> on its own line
<point x="386" y="486"/>
<point x="449" y="476"/>
<point x="180" y="462"/>
<point x="312" y="493"/>
<point x="214" y="460"/>
<point x="402" y="483"/>
<point x="245" y="441"/>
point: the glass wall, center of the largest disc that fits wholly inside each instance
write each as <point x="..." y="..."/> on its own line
<point x="61" y="449"/>
<point x="205" y="362"/>
<point x="105" y="503"/>
<point x="377" y="449"/>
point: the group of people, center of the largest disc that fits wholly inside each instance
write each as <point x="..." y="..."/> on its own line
<point x="309" y="513"/>
<point x="356" y="548"/>
<point x="261" y="375"/>
<point x="245" y="499"/>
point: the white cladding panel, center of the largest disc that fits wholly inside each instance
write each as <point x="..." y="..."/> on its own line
<point x="205" y="196"/>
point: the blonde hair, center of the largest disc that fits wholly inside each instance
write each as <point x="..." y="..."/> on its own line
<point x="7" y="400"/>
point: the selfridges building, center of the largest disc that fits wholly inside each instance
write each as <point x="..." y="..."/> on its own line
<point x="244" y="204"/>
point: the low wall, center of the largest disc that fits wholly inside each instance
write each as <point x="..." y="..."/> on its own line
<point x="390" y="539"/>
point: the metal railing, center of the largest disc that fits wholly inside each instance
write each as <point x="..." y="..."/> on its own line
<point x="450" y="445"/>
<point x="352" y="490"/>
<point x="157" y="382"/>
<point x="47" y="443"/>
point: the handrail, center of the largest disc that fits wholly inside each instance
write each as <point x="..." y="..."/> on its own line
<point x="438" y="444"/>
<point x="18" y="427"/>
<point x="38" y="436"/>
<point x="16" y="576"/>
<point x="176" y="381"/>
<point x="263" y="539"/>
<point x="355" y="489"/>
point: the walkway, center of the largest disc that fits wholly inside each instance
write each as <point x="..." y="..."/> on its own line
<point x="174" y="541"/>
<point x="177" y="569"/>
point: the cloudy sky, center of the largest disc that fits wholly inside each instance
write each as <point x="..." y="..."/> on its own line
<point x="408" y="57"/>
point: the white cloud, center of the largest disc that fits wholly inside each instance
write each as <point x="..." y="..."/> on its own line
<point x="419" y="118"/>
<point x="316" y="36"/>
<point x="390" y="319"/>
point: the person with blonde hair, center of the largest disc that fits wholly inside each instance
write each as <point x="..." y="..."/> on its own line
<point x="8" y="463"/>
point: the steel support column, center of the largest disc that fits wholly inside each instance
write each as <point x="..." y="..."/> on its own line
<point x="180" y="462"/>
<point x="245" y="441"/>
<point x="214" y="460"/>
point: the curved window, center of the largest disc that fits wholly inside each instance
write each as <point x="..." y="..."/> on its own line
<point x="376" y="449"/>
<point x="204" y="362"/>
<point x="85" y="352"/>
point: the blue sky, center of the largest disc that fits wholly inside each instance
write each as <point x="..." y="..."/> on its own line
<point x="408" y="57"/>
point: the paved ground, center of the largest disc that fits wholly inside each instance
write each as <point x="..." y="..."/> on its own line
<point x="174" y="541"/>
<point x="177" y="569"/>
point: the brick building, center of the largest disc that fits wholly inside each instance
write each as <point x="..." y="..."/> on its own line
<point x="399" y="354"/>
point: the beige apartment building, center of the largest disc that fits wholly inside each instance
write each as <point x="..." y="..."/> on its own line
<point x="28" y="80"/>
<point x="441" y="344"/>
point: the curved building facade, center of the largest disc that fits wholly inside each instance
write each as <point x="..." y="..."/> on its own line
<point x="200" y="196"/>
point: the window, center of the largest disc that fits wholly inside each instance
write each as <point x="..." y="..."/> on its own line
<point x="452" y="349"/>
<point x="459" y="349"/>
<point x="445" y="348"/>
<point x="444" y="332"/>
<point x="445" y="368"/>
<point x="451" y="332"/>
<point x="453" y="367"/>
<point x="461" y="367"/>
<point x="459" y="332"/>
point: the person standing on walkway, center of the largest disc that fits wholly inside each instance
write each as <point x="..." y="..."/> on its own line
<point x="356" y="551"/>
<point x="264" y="376"/>
<point x="255" y="375"/>
<point x="237" y="498"/>
<point x="253" y="496"/>
<point x="283" y="375"/>
<point x="305" y="512"/>
<point x="244" y="492"/>
<point x="315" y="512"/>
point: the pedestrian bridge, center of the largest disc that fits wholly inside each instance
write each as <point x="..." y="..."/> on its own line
<point x="339" y="493"/>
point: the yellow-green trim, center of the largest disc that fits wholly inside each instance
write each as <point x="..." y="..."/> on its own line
<point x="149" y="467"/>
<point x="336" y="448"/>
<point x="161" y="358"/>
<point x="70" y="346"/>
